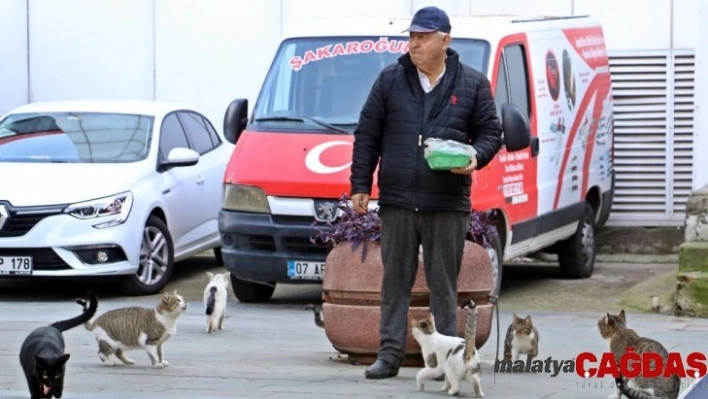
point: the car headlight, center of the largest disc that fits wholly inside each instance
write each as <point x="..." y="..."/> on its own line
<point x="117" y="206"/>
<point x="245" y="199"/>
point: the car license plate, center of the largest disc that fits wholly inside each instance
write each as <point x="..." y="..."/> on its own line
<point x="305" y="270"/>
<point x="15" y="265"/>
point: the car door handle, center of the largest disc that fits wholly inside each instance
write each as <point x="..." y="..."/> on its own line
<point x="200" y="179"/>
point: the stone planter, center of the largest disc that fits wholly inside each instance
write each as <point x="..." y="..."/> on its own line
<point x="351" y="294"/>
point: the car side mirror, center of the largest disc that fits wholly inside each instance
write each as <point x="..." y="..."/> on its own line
<point x="181" y="157"/>
<point x="235" y="119"/>
<point x="516" y="127"/>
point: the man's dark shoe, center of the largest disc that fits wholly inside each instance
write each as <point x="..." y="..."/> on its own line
<point x="380" y="369"/>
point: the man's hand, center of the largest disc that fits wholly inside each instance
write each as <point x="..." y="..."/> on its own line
<point x="467" y="170"/>
<point x="360" y="202"/>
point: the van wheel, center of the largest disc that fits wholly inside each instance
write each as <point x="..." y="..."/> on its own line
<point x="576" y="255"/>
<point x="495" y="255"/>
<point x="218" y="256"/>
<point x="247" y="291"/>
<point x="156" y="260"/>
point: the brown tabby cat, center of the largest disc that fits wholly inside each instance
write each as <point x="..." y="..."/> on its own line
<point x="614" y="329"/>
<point x="521" y="338"/>
<point x="129" y="328"/>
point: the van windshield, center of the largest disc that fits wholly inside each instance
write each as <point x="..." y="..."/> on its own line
<point x="320" y="84"/>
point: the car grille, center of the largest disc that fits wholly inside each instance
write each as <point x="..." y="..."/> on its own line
<point x="44" y="259"/>
<point x="21" y="220"/>
<point x="292" y="219"/>
<point x="302" y="245"/>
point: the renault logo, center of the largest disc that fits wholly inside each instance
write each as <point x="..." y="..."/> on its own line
<point x="3" y="215"/>
<point x="326" y="211"/>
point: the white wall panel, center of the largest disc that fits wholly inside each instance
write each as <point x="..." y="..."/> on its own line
<point x="211" y="52"/>
<point x="84" y="49"/>
<point x="631" y="24"/>
<point x="13" y="47"/>
<point x="522" y="7"/>
<point x="296" y="12"/>
<point x="686" y="24"/>
<point x="451" y="7"/>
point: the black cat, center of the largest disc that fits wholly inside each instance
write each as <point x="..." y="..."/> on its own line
<point x="42" y="354"/>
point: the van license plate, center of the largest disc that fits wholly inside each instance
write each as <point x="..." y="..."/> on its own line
<point x="305" y="270"/>
<point x="15" y="265"/>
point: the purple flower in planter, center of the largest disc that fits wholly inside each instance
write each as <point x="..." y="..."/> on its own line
<point x="363" y="229"/>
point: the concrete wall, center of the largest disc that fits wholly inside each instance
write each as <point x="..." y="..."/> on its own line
<point x="13" y="46"/>
<point x="207" y="52"/>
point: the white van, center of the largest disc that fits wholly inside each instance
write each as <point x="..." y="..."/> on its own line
<point x="293" y="154"/>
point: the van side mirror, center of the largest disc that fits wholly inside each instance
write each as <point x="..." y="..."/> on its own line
<point x="235" y="119"/>
<point x="516" y="127"/>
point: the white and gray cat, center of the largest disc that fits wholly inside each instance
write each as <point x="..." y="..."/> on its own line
<point x="119" y="330"/>
<point x="521" y="338"/>
<point x="454" y="357"/>
<point x="215" y="299"/>
<point x="614" y="329"/>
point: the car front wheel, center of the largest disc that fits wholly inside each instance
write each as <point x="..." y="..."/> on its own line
<point x="156" y="260"/>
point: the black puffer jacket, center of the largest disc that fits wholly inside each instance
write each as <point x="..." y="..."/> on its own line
<point x="392" y="127"/>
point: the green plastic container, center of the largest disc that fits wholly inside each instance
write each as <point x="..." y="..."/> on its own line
<point x="442" y="161"/>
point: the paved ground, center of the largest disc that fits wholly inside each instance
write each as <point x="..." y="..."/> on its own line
<point x="274" y="350"/>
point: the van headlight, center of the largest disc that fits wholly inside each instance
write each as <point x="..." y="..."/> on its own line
<point x="245" y="199"/>
<point x="118" y="206"/>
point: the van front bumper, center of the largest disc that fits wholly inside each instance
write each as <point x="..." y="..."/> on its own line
<point x="257" y="247"/>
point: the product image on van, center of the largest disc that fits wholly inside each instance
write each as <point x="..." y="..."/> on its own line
<point x="550" y="186"/>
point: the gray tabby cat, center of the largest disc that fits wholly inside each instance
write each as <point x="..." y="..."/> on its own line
<point x="129" y="328"/>
<point x="614" y="329"/>
<point x="521" y="338"/>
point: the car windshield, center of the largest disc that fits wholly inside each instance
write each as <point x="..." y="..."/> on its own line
<point x="322" y="83"/>
<point x="75" y="137"/>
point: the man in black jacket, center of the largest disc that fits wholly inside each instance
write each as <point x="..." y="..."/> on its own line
<point x="428" y="93"/>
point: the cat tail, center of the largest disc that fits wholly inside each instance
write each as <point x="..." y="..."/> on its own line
<point x="211" y="301"/>
<point x="632" y="393"/>
<point x="470" y="331"/>
<point x="318" y="316"/>
<point x="87" y="314"/>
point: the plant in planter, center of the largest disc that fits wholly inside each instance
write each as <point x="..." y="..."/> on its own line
<point x="352" y="281"/>
<point x="350" y="227"/>
<point x="363" y="229"/>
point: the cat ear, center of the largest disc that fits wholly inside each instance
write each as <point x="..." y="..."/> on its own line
<point x="431" y="319"/>
<point x="211" y="275"/>
<point x="63" y="359"/>
<point x="528" y="319"/>
<point x="622" y="315"/>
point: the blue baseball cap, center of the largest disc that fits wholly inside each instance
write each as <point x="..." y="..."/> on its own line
<point x="430" y="19"/>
